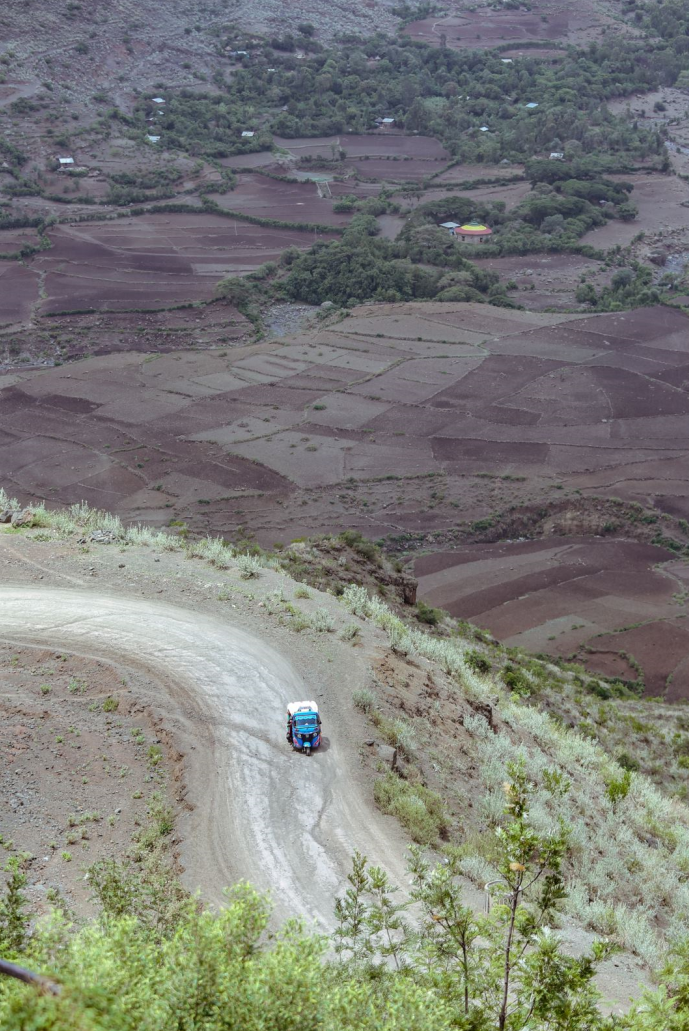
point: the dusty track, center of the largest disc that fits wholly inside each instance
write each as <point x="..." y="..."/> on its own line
<point x="274" y="817"/>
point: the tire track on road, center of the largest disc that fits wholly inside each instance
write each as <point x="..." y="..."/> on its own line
<point x="260" y="811"/>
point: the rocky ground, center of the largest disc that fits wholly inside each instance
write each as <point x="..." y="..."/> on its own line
<point x="80" y="760"/>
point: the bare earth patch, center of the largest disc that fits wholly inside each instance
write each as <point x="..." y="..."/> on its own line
<point x="81" y="760"/>
<point x="480" y="28"/>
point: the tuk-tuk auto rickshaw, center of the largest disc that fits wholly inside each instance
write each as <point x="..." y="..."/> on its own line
<point x="303" y="726"/>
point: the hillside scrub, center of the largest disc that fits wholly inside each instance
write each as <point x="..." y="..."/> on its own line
<point x="628" y="855"/>
<point x="629" y="288"/>
<point x="155" y="959"/>
<point x="96" y="524"/>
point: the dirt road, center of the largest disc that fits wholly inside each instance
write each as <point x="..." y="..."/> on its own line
<point x="276" y="818"/>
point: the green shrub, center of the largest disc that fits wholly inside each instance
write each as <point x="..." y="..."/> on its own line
<point x="363" y="547"/>
<point x="249" y="567"/>
<point x="425" y="613"/>
<point x="617" y="788"/>
<point x="419" y="810"/>
<point x="155" y="754"/>
<point x="322" y="621"/>
<point x="477" y="661"/>
<point x="364" y="699"/>
<point x="516" y="680"/>
<point x="350" y="631"/>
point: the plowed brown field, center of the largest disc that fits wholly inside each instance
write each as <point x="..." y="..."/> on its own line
<point x="398" y="420"/>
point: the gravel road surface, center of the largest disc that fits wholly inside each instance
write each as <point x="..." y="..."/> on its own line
<point x="262" y="812"/>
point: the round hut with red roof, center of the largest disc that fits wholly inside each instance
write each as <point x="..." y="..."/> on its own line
<point x="473" y="232"/>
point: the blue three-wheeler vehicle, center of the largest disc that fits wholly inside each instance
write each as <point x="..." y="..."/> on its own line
<point x="303" y="726"/>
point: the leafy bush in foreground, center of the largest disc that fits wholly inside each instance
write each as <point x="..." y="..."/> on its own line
<point x="155" y="960"/>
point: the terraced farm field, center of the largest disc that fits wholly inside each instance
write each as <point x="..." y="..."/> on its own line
<point x="401" y="421"/>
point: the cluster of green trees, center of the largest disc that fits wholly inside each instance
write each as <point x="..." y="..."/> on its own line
<point x="362" y="267"/>
<point x="553" y="217"/>
<point x="668" y="19"/>
<point x="628" y="288"/>
<point x="11" y="154"/>
<point x="154" y="959"/>
<point x="147" y="178"/>
<point x="122" y="196"/>
<point x="432" y="90"/>
<point x="380" y="205"/>
<point x="210" y="124"/>
<point x="449" y="94"/>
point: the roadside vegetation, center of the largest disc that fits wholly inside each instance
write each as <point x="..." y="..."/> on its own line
<point x="154" y="958"/>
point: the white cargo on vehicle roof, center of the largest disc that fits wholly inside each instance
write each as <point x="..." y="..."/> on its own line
<point x="295" y="707"/>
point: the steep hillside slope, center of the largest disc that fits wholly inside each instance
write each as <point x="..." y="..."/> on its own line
<point x="178" y="613"/>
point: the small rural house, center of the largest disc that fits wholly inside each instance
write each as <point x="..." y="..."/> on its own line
<point x="557" y="155"/>
<point x="473" y="232"/>
<point x="158" y="100"/>
<point x="449" y="226"/>
<point x="484" y="128"/>
<point x="65" y="162"/>
<point x="531" y="105"/>
<point x="152" y="139"/>
<point x="248" y="134"/>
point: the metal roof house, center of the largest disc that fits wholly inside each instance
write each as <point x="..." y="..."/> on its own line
<point x="247" y="133"/>
<point x="65" y="161"/>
